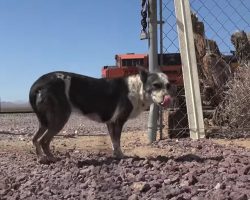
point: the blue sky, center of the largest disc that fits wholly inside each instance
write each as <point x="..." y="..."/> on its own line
<point x="39" y="36"/>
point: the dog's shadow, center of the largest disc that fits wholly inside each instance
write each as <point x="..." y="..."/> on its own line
<point x="193" y="157"/>
<point x="132" y="159"/>
<point x="9" y="133"/>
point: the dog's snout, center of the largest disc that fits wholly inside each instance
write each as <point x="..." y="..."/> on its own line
<point x="168" y="86"/>
<point x="172" y="90"/>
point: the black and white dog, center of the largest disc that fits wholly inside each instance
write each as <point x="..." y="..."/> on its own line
<point x="54" y="95"/>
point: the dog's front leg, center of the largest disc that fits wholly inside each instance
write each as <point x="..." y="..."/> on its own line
<point x="115" y="129"/>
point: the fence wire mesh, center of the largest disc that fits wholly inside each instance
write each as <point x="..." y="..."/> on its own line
<point x="222" y="44"/>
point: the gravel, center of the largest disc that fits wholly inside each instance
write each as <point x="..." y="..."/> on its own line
<point x="26" y="123"/>
<point x="200" y="170"/>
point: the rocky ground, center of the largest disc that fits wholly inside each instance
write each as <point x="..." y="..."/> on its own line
<point x="168" y="169"/>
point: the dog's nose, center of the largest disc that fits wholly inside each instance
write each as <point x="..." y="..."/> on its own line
<point x="172" y="90"/>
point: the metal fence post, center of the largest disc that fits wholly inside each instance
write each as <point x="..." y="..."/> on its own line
<point x="160" y="65"/>
<point x="153" y="66"/>
<point x="189" y="68"/>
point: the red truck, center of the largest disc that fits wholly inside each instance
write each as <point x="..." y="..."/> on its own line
<point x="126" y="65"/>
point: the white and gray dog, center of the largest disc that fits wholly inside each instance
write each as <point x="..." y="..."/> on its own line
<point x="54" y="95"/>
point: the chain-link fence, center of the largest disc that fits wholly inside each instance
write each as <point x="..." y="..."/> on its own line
<point x="221" y="36"/>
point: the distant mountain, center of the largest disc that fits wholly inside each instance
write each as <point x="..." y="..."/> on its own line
<point x="17" y="106"/>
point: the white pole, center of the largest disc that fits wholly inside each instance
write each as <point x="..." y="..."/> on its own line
<point x="189" y="68"/>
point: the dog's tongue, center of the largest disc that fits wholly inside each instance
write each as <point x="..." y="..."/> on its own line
<point x="166" y="101"/>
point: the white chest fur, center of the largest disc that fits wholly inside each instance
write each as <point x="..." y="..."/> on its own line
<point x="136" y="95"/>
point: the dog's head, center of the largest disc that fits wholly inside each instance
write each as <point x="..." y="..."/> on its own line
<point x="157" y="88"/>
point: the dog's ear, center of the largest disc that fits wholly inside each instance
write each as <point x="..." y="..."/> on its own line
<point x="143" y="76"/>
<point x="143" y="73"/>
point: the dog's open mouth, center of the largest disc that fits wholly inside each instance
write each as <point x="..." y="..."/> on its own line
<point x="166" y="101"/>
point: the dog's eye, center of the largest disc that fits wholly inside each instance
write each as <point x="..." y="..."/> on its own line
<point x="157" y="85"/>
<point x="168" y="86"/>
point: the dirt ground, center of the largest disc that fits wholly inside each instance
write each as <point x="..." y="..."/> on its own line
<point x="167" y="169"/>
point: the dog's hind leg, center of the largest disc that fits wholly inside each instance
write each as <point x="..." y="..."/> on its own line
<point x="45" y="143"/>
<point x="42" y="129"/>
<point x="57" y="118"/>
<point x="115" y="129"/>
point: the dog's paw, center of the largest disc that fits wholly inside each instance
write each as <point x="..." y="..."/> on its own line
<point x="118" y="154"/>
<point x="43" y="160"/>
<point x="47" y="160"/>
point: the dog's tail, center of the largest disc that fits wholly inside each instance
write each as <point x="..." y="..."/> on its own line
<point x="36" y="90"/>
<point x="33" y="97"/>
<point x="36" y="98"/>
